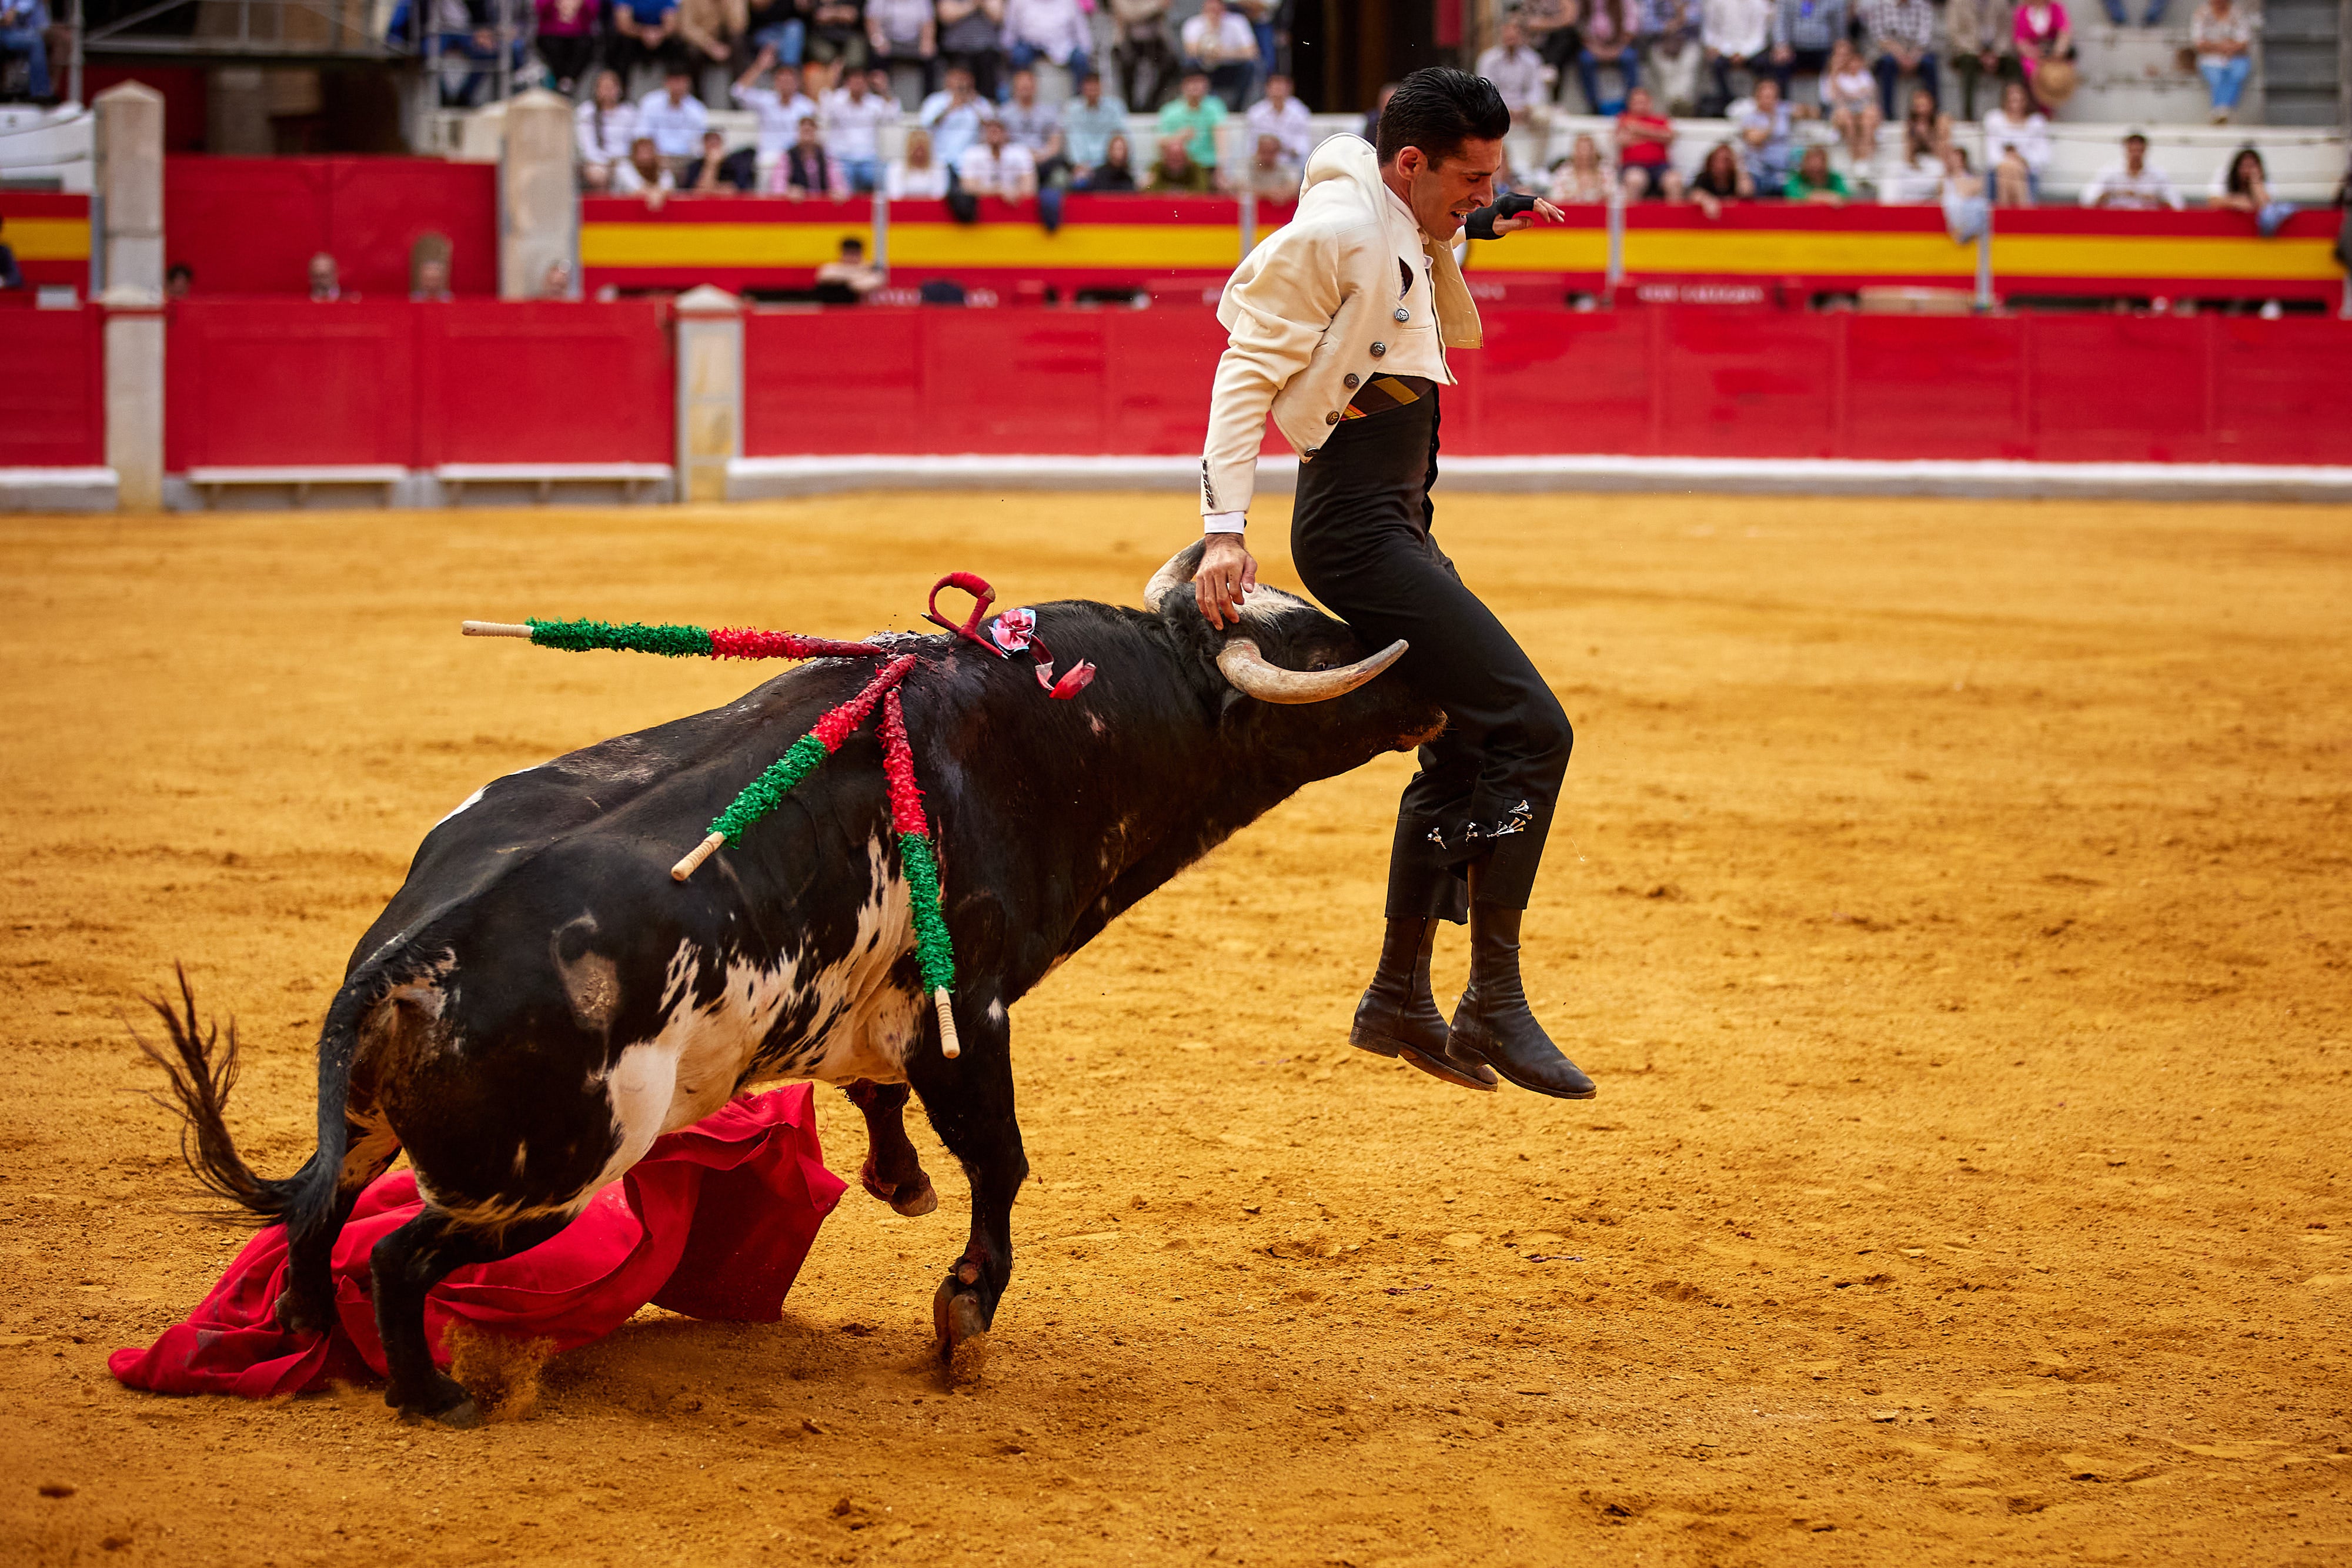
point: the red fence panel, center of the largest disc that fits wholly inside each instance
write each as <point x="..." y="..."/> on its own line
<point x="52" y="388"/>
<point x="2120" y="389"/>
<point x="1934" y="386"/>
<point x="546" y="383"/>
<point x="2282" y="391"/>
<point x="250" y="226"/>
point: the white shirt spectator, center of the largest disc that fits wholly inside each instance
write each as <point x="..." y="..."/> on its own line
<point x="854" y="123"/>
<point x="1032" y="125"/>
<point x="928" y="183"/>
<point x="953" y="126"/>
<point x="1234" y="41"/>
<point x="1055" y="28"/>
<point x="627" y="181"/>
<point x="2029" y="136"/>
<point x="1291" y="125"/>
<point x="1735" y="27"/>
<point x="604" y="136"/>
<point x="986" y="171"/>
<point x="779" y="116"/>
<point x="676" y="128"/>
<point x="2117" y="189"/>
<point x="1517" y="74"/>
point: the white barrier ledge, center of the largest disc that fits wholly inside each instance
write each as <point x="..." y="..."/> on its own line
<point x="300" y="479"/>
<point x="768" y="478"/>
<point x="544" y="479"/>
<point x="56" y="489"/>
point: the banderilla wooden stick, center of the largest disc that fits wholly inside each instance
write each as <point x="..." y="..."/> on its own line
<point x="696" y="856"/>
<point x="949" y="1046"/>
<point x="493" y="629"/>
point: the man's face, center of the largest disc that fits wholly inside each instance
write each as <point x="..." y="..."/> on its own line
<point x="1277" y="90"/>
<point x="1515" y="37"/>
<point x="788" y="82"/>
<point x="959" y="84"/>
<point x="996" y="133"/>
<point x="1213" y="12"/>
<point x="677" y="86"/>
<point x="1442" y="195"/>
<point x="2135" y="154"/>
<point x="1768" y="95"/>
<point x="1196" y="88"/>
<point x="712" y="143"/>
<point x="1025" y="87"/>
<point x="1091" y="91"/>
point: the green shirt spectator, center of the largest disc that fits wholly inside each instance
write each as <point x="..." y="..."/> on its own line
<point x="1194" y="117"/>
<point x="1816" y="181"/>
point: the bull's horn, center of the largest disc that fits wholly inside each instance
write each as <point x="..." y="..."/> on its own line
<point x="1247" y="669"/>
<point x="1178" y="573"/>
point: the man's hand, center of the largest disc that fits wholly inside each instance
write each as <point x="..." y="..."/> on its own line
<point x="1228" y="573"/>
<point x="1544" y="213"/>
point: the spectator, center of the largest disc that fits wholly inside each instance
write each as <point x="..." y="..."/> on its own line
<point x="1581" y="180"/>
<point x="1645" y="141"/>
<point x="2043" y="34"/>
<point x="642" y="30"/>
<point x="1034" y="126"/>
<point x="1090" y="122"/>
<point x="565" y="31"/>
<point x="1919" y="177"/>
<point x="1803" y="31"/>
<point x="808" y="169"/>
<point x="1965" y="211"/>
<point x="643" y="173"/>
<point x="326" y="279"/>
<point x="836" y="34"/>
<point x="605" y="127"/>
<point x="1981" y="36"/>
<point x="2242" y="186"/>
<point x="1051" y="31"/>
<point x="1610" y="29"/>
<point x="902" y="38"/>
<point x="777" y="26"/>
<point x="179" y="279"/>
<point x="428" y="270"/>
<point x="1141" y="52"/>
<point x="2134" y="186"/>
<point x="2223" y="37"/>
<point x="2155" y="16"/>
<point x="673" y="117"/>
<point x="1736" y="35"/>
<point x="1268" y="20"/>
<point x="954" y="114"/>
<point x="848" y="279"/>
<point x="1672" y="62"/>
<point x="1115" y="173"/>
<point x="1519" y="74"/>
<point x="1270" y="173"/>
<point x="997" y="166"/>
<point x="1552" y="32"/>
<point x="2017" y="148"/>
<point x="712" y="29"/>
<point x="779" y="107"/>
<point x="1280" y="115"/>
<point x="717" y="172"/>
<point x="1722" y="177"/>
<point x="1850" y="101"/>
<point x="459" y="47"/>
<point x="25" y="30"/>
<point x="1196" y="116"/>
<point x="1224" y="46"/>
<point x="853" y="117"/>
<point x="1372" y="115"/>
<point x="1176" y="169"/>
<point x="555" y="283"/>
<point x="1901" y="42"/>
<point x="1816" y="181"/>
<point x="915" y="177"/>
<point x="1766" y="127"/>
<point x="969" y="33"/>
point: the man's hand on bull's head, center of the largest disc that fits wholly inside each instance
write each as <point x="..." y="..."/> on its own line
<point x="1228" y="573"/>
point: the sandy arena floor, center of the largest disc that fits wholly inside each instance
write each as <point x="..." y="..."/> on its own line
<point x="1951" y="899"/>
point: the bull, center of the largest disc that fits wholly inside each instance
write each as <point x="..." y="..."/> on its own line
<point x="540" y="1001"/>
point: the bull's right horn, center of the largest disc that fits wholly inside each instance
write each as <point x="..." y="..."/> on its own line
<point x="1241" y="664"/>
<point x="1177" y="574"/>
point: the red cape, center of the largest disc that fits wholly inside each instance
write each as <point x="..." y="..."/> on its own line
<point x="713" y="1222"/>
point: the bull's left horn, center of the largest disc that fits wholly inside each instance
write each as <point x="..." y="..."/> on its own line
<point x="1246" y="668"/>
<point x="1178" y="573"/>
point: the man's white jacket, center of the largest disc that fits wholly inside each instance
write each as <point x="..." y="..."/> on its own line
<point x="1315" y="309"/>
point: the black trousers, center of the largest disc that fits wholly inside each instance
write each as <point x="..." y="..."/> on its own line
<point x="1488" y="784"/>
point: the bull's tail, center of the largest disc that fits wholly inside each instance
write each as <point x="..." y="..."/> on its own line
<point x="201" y="1066"/>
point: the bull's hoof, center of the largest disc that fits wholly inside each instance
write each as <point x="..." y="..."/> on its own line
<point x="912" y="1199"/>
<point x="296" y="1318"/>
<point x="443" y="1402"/>
<point x="957" y="1316"/>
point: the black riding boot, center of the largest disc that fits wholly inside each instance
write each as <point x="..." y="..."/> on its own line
<point x="1493" y="1026"/>
<point x="1399" y="1018"/>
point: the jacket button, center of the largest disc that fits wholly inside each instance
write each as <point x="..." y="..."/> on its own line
<point x="1348" y="380"/>
<point x="1330" y="418"/>
<point x="1402" y="314"/>
<point x="1313" y="450"/>
<point x="1379" y="348"/>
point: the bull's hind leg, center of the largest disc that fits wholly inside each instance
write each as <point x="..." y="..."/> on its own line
<point x="307" y="1304"/>
<point x="408" y="1264"/>
<point x="969" y="1101"/>
<point x="893" y="1172"/>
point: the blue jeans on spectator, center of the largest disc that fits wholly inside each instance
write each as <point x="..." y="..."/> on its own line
<point x="2115" y="13"/>
<point x="2272" y="216"/>
<point x="2226" y="80"/>
<point x="787" y="38"/>
<point x="29" y="42"/>
<point x="865" y="174"/>
<point x="1024" y="56"/>
<point x="1889" y="71"/>
<point x="1588" y="75"/>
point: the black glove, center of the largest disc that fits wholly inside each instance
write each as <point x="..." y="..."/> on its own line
<point x="1480" y="224"/>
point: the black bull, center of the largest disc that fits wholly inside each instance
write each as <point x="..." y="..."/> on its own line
<point x="540" y="1001"/>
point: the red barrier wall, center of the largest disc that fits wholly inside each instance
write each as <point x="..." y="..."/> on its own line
<point x="287" y="381"/>
<point x="250" y="226"/>
<point x="1666" y="382"/>
<point x="52" y="390"/>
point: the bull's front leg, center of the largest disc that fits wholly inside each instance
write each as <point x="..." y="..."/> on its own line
<point x="969" y="1102"/>
<point x="893" y="1171"/>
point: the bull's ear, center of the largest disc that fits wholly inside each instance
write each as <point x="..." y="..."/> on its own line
<point x="1181" y="568"/>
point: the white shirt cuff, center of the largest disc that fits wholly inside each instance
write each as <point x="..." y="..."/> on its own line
<point x="1224" y="522"/>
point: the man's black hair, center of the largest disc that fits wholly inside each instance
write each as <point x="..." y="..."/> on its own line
<point x="1437" y="108"/>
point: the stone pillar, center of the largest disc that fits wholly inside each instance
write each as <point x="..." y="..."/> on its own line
<point x="710" y="391"/>
<point x="128" y="182"/>
<point x="538" y="202"/>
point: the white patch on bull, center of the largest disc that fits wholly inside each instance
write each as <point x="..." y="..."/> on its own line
<point x="996" y="1011"/>
<point x="470" y="801"/>
<point x="522" y="1155"/>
